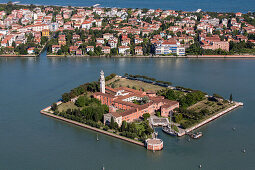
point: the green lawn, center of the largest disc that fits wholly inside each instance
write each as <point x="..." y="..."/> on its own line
<point x="133" y="83"/>
<point x="65" y="106"/>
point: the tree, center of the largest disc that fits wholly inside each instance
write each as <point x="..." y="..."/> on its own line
<point x="54" y="107"/>
<point x="44" y="40"/>
<point x="66" y="97"/>
<point x="114" y="51"/>
<point x="146" y="116"/>
<point x="112" y="123"/>
<point x="124" y="126"/>
<point x="178" y="118"/>
<point x="116" y="126"/>
<point x="175" y="128"/>
<point x="14" y="44"/>
<point x="231" y="97"/>
<point x="80" y="102"/>
<point x="217" y="96"/>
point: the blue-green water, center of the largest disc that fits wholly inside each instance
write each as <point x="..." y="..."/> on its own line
<point x="29" y="140"/>
<point x="187" y="5"/>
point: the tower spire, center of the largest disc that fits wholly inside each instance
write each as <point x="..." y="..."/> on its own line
<point x="102" y="82"/>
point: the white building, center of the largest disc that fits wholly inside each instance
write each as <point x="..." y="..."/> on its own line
<point x="123" y="50"/>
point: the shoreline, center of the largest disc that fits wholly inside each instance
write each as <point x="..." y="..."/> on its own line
<point x="24" y="56"/>
<point x="45" y="112"/>
<point x="185" y="131"/>
<point x="188" y="56"/>
<point x="119" y="7"/>
<point x="159" y="56"/>
<point x="7" y="55"/>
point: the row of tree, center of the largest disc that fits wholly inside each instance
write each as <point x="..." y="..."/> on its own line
<point x="144" y="78"/>
<point x="130" y="130"/>
<point x="82" y="89"/>
<point x="93" y="112"/>
<point x="88" y="87"/>
<point x="185" y="100"/>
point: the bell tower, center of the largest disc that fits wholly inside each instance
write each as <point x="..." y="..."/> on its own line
<point x="102" y="82"/>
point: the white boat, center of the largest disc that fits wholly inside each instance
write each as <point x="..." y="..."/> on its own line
<point x="96" y="5"/>
<point x="197" y="135"/>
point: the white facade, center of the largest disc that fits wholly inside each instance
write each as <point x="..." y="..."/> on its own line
<point x="130" y="99"/>
<point x="102" y="82"/>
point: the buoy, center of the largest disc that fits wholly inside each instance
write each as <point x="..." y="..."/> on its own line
<point x="244" y="150"/>
<point x="234" y="129"/>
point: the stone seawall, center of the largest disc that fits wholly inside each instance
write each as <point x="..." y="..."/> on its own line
<point x="218" y="56"/>
<point x="237" y="104"/>
<point x="161" y="56"/>
<point x="46" y="112"/>
<point x="7" y="55"/>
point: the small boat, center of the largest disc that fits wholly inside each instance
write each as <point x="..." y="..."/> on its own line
<point x="96" y="5"/>
<point x="169" y="130"/>
<point x="103" y="168"/>
<point x="196" y="135"/>
<point x="97" y="138"/>
<point x="244" y="150"/>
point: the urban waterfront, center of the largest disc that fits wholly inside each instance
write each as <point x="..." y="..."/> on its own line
<point x="30" y="140"/>
<point x="186" y="5"/>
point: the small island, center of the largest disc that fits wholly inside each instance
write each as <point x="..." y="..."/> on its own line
<point x="129" y="107"/>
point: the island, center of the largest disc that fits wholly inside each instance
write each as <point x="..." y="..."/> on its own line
<point x="28" y="30"/>
<point x="128" y="107"/>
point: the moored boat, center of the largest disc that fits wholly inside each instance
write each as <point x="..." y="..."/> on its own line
<point x="196" y="135"/>
<point x="169" y="130"/>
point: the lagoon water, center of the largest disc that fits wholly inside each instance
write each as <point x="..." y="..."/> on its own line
<point x="29" y="140"/>
<point x="186" y="5"/>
